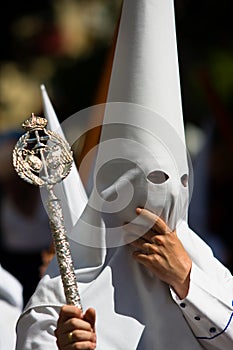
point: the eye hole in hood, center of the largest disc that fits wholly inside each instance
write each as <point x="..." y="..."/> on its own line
<point x="184" y="180"/>
<point x="157" y="177"/>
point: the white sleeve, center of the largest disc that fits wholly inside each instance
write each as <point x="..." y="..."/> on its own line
<point x="35" y="329"/>
<point x="208" y="305"/>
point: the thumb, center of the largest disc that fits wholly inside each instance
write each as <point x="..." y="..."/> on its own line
<point x="90" y="317"/>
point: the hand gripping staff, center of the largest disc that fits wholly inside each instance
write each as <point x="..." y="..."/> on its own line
<point x="42" y="158"/>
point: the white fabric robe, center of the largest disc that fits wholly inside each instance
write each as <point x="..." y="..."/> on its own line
<point x="146" y="314"/>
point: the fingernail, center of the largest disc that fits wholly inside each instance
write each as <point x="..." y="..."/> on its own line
<point x="139" y="210"/>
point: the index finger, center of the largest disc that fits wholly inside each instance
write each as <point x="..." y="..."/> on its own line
<point x="90" y="317"/>
<point x="157" y="224"/>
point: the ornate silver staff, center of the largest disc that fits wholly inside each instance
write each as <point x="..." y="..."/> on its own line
<point x="42" y="158"/>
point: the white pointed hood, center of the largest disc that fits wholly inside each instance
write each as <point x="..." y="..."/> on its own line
<point x="71" y="191"/>
<point x="142" y="158"/>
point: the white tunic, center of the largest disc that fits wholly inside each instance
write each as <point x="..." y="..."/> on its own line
<point x="137" y="311"/>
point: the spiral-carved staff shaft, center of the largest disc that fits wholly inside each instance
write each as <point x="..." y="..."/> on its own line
<point x="42" y="158"/>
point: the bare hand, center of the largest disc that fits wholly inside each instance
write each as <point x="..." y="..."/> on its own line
<point x="161" y="251"/>
<point x="75" y="330"/>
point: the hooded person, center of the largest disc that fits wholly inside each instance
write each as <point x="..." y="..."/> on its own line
<point x="141" y="163"/>
<point x="11" y="304"/>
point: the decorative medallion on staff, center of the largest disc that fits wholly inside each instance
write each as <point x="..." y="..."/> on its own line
<point x="42" y="158"/>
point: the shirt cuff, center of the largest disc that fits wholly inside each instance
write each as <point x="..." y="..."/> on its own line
<point x="208" y="312"/>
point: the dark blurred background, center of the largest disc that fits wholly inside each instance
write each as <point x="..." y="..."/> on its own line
<point x="65" y="45"/>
